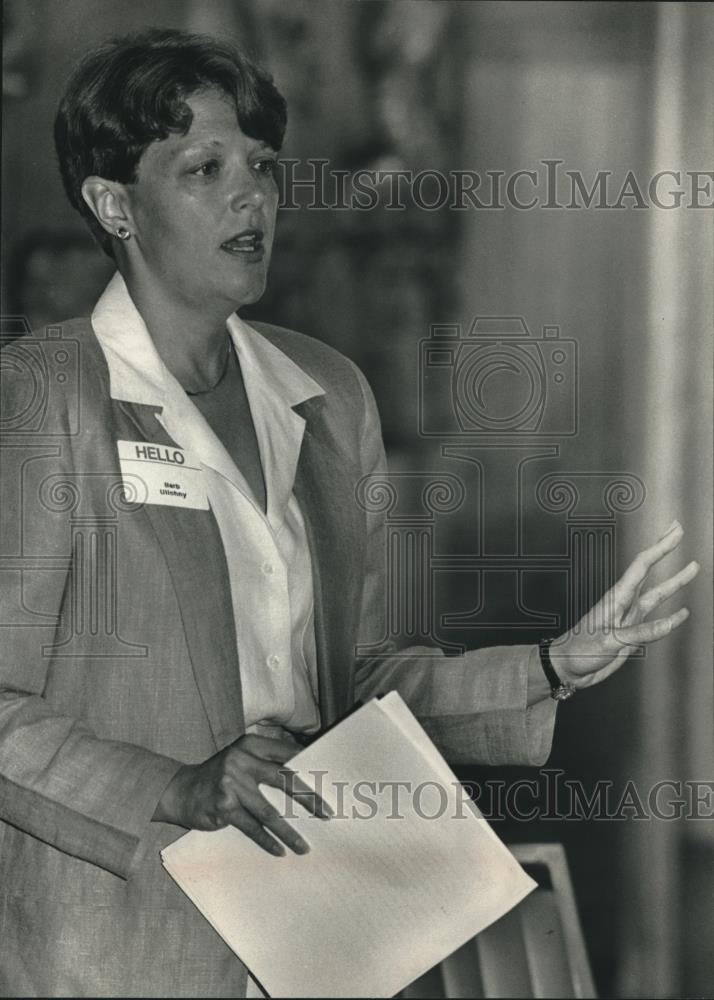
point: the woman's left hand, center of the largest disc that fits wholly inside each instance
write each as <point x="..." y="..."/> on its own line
<point x="604" y="638"/>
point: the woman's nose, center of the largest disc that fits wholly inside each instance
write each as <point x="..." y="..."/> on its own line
<point x="247" y="190"/>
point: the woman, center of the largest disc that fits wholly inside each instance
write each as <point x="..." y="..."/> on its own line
<point x="172" y="642"/>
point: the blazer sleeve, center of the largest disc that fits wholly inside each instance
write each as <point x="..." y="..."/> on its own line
<point x="89" y="797"/>
<point x="474" y="706"/>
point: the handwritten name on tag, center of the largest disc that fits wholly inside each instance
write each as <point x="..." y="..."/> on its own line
<point x="161" y="474"/>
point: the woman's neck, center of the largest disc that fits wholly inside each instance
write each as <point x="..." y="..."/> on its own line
<point x="192" y="342"/>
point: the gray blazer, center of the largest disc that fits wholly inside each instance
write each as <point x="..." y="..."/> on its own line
<point x="118" y="663"/>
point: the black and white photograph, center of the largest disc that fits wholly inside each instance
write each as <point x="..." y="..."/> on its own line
<point x="356" y="467"/>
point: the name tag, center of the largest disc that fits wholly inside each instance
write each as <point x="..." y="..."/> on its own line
<point x="157" y="473"/>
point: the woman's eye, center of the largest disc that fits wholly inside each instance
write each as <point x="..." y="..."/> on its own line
<point x="267" y="166"/>
<point x="207" y="169"/>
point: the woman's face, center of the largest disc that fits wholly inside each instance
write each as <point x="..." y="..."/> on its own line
<point x="203" y="209"/>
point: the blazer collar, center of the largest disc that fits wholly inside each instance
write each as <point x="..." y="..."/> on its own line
<point x="274" y="383"/>
<point x="138" y="375"/>
<point x="136" y="371"/>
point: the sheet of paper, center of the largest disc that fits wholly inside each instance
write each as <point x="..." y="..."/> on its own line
<point x="398" y="711"/>
<point x="403" y="874"/>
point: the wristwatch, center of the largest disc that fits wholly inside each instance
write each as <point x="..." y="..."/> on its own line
<point x="558" y="690"/>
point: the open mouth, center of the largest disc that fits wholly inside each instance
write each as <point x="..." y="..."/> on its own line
<point x="248" y="243"/>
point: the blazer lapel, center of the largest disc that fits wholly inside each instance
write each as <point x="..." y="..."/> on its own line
<point x="191" y="543"/>
<point x="324" y="487"/>
<point x="192" y="547"/>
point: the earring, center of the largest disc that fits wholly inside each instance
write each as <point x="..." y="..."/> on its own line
<point x="122" y="232"/>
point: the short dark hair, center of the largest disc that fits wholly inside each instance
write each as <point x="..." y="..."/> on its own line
<point x="131" y="91"/>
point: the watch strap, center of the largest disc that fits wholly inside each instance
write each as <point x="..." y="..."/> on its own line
<point x="558" y="690"/>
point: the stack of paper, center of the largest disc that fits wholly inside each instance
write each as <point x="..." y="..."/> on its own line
<point x="406" y="872"/>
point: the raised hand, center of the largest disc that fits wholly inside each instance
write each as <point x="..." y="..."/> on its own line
<point x="604" y="638"/>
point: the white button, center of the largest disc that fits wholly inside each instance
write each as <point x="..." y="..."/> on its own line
<point x="273" y="660"/>
<point x="268" y="568"/>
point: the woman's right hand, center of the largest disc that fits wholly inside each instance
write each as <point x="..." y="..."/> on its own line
<point x="223" y="791"/>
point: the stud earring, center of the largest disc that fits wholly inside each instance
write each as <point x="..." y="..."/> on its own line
<point x="122" y="232"/>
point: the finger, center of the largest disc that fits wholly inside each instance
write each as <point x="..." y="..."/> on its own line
<point x="292" y="785"/>
<point x="302" y="793"/>
<point x="654" y="597"/>
<point x="618" y="604"/>
<point x="249" y="825"/>
<point x="637" y="611"/>
<point x="633" y="615"/>
<point x="637" y="571"/>
<point x="634" y="635"/>
<point x="645" y="560"/>
<point x="267" y="816"/>
<point x="278" y="750"/>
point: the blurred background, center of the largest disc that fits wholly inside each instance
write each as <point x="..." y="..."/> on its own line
<point x="488" y="87"/>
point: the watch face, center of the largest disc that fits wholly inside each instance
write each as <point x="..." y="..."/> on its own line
<point x="563" y="692"/>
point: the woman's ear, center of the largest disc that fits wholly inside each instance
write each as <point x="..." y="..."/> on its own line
<point x="108" y="205"/>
